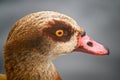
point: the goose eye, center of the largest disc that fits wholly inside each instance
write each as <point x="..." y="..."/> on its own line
<point x="59" y="33"/>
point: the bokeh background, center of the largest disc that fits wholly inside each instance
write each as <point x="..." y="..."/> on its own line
<point x="100" y="19"/>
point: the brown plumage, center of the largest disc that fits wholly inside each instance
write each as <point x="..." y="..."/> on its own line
<point x="2" y="77"/>
<point x="36" y="39"/>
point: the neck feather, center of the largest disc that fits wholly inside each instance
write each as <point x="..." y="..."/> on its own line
<point x="27" y="66"/>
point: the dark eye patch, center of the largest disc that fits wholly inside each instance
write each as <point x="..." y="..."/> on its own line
<point x="59" y="25"/>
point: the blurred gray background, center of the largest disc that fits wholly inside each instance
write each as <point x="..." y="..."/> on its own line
<point x="100" y="19"/>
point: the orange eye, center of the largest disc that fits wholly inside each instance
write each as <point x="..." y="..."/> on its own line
<point x="59" y="33"/>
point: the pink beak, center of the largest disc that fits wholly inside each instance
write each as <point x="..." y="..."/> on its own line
<point x="88" y="45"/>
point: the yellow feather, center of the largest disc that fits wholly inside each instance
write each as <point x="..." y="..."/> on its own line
<point x="3" y="77"/>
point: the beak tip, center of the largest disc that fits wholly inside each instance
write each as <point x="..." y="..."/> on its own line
<point x="105" y="52"/>
<point x="108" y="53"/>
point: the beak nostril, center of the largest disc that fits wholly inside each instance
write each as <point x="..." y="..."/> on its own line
<point x="90" y="44"/>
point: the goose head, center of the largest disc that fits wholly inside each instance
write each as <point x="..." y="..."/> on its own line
<point x="42" y="36"/>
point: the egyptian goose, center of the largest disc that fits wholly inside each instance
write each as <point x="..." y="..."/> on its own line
<point x="38" y="38"/>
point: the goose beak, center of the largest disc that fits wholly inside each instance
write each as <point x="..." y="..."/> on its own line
<point x="88" y="45"/>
